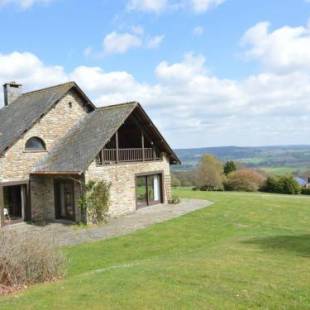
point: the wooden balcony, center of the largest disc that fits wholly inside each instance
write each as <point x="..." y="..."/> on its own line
<point x="109" y="156"/>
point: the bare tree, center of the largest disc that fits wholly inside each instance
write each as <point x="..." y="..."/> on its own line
<point x="209" y="173"/>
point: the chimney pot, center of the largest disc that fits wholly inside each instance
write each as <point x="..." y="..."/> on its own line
<point x="12" y="91"/>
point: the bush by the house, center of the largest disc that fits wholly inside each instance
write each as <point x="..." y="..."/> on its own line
<point x="28" y="258"/>
<point x="174" y="200"/>
<point x="281" y="185"/>
<point x="244" y="180"/>
<point x="96" y="201"/>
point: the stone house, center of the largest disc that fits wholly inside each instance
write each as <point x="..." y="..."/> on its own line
<point x="54" y="140"/>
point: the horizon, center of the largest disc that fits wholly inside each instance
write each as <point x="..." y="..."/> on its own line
<point x="245" y="146"/>
<point x="206" y="74"/>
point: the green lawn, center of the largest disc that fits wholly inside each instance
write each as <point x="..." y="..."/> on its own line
<point x="282" y="170"/>
<point x="245" y="251"/>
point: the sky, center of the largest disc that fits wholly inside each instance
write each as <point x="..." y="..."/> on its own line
<point x="208" y="72"/>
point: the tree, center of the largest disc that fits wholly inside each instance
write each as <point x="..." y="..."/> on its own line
<point x="175" y="182"/>
<point x="246" y="180"/>
<point x="209" y="173"/>
<point x="281" y="185"/>
<point x="229" y="167"/>
<point x="289" y="185"/>
<point x="271" y="185"/>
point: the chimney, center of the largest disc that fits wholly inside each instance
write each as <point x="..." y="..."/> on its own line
<point x="11" y="92"/>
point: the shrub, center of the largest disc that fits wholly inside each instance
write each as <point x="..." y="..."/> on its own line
<point x="271" y="185"/>
<point x="305" y="191"/>
<point x="289" y="185"/>
<point x="244" y="180"/>
<point x="174" y="200"/>
<point x="28" y="259"/>
<point x="96" y="201"/>
<point x="281" y="185"/>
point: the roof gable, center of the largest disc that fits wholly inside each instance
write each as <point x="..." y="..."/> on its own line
<point x="75" y="152"/>
<point x="19" y="116"/>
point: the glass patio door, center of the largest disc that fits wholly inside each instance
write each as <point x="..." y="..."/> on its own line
<point x="141" y="191"/>
<point x="148" y="190"/>
<point x="154" y="189"/>
<point x="64" y="199"/>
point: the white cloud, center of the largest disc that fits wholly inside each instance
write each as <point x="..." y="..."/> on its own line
<point x="120" y="43"/>
<point x="283" y="50"/>
<point x="158" y="6"/>
<point x="198" y="31"/>
<point x="155" y="42"/>
<point x="24" y="4"/>
<point x="29" y="69"/>
<point x="148" y="5"/>
<point x="262" y="109"/>
<point x="190" y="66"/>
<point x="201" y="6"/>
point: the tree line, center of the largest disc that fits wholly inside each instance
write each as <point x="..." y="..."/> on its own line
<point x="213" y="175"/>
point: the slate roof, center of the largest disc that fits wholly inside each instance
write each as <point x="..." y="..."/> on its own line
<point x="20" y="115"/>
<point x="79" y="147"/>
<point x="75" y="151"/>
<point x="82" y="143"/>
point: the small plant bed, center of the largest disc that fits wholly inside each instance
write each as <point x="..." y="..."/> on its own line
<point x="174" y="200"/>
<point x="27" y="259"/>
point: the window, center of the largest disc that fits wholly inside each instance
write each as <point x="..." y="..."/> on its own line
<point x="149" y="190"/>
<point x="35" y="144"/>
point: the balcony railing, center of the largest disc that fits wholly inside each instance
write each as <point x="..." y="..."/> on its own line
<point x="107" y="156"/>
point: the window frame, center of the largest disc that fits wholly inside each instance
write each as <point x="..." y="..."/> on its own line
<point x="35" y="150"/>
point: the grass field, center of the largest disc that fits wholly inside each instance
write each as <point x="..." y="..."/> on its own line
<point x="284" y="170"/>
<point x="247" y="251"/>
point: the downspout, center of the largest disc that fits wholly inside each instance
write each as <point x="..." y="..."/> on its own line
<point x="1" y="207"/>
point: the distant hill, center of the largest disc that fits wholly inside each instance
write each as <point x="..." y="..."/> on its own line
<point x="276" y="159"/>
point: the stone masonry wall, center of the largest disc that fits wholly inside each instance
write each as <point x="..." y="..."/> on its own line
<point x="17" y="163"/>
<point x="42" y="198"/>
<point x="122" y="177"/>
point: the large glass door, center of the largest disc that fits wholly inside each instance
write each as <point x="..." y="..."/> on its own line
<point x="13" y="205"/>
<point x="64" y="199"/>
<point x="148" y="190"/>
<point x="154" y="189"/>
<point x="141" y="191"/>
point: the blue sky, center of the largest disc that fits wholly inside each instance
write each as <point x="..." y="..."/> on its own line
<point x="210" y="72"/>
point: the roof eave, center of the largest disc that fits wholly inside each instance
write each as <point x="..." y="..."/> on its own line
<point x="86" y="98"/>
<point x="172" y="153"/>
<point x="52" y="173"/>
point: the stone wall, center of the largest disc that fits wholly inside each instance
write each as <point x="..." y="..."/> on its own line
<point x="1" y="206"/>
<point x="16" y="163"/>
<point x="122" y="178"/>
<point x="42" y="198"/>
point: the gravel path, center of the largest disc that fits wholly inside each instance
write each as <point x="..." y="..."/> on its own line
<point x="66" y="234"/>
